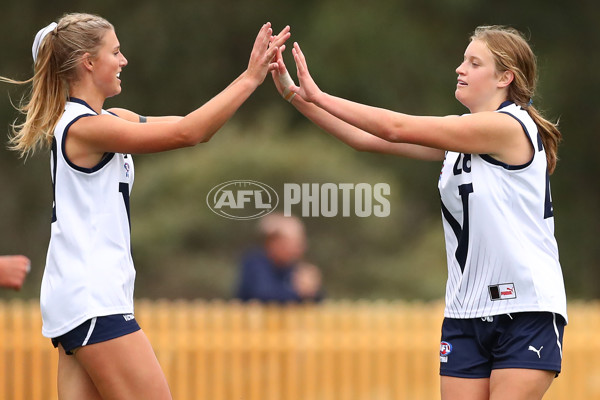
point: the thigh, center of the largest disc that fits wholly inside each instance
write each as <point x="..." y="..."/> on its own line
<point x="453" y="388"/>
<point x="519" y="384"/>
<point x="125" y="368"/>
<point x="73" y="381"/>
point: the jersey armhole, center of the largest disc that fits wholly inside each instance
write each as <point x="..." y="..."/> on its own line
<point x="103" y="161"/>
<point x="510" y="167"/>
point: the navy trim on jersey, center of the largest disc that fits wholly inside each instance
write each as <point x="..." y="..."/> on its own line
<point x="105" y="159"/>
<point x="82" y="102"/>
<point x="493" y="161"/>
<point x="54" y="162"/>
<point x="540" y="142"/>
<point x="505" y="103"/>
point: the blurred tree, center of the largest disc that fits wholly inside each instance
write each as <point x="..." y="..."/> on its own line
<point x="400" y="55"/>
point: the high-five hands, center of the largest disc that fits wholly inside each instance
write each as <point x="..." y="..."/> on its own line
<point x="264" y="52"/>
<point x="307" y="88"/>
<point x="281" y="77"/>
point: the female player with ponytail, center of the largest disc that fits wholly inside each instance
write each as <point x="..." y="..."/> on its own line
<point x="505" y="299"/>
<point x="87" y="287"/>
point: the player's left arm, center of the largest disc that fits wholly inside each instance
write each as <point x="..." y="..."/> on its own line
<point x="133" y="117"/>
<point x="488" y="132"/>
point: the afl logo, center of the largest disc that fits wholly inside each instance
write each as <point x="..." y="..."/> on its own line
<point x="242" y="199"/>
<point x="445" y="348"/>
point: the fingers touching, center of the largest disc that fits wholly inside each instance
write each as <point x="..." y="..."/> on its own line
<point x="263" y="58"/>
<point x="270" y="50"/>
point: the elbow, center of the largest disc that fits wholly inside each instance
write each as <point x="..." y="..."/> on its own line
<point x="191" y="137"/>
<point x="393" y="129"/>
<point x="393" y="133"/>
<point x="187" y="140"/>
<point x="204" y="139"/>
<point x="361" y="147"/>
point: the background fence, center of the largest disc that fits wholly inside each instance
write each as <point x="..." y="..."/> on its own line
<point x="332" y="351"/>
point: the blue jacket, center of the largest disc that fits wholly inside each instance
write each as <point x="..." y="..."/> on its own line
<point x="261" y="279"/>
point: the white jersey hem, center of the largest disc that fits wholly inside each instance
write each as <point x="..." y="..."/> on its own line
<point x="80" y="320"/>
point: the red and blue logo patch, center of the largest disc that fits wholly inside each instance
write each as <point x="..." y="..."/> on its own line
<point x="445" y="348"/>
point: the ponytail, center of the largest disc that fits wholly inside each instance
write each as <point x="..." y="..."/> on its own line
<point x="43" y="108"/>
<point x="56" y="57"/>
<point x="551" y="137"/>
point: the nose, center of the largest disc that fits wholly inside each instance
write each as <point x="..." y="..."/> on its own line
<point x="124" y="61"/>
<point x="460" y="69"/>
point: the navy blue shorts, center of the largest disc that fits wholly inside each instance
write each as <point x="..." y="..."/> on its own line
<point x="97" y="329"/>
<point x="472" y="348"/>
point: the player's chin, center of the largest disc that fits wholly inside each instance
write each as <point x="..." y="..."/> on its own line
<point x="460" y="97"/>
<point x="115" y="92"/>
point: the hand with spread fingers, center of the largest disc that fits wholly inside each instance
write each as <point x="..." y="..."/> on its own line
<point x="264" y="52"/>
<point x="307" y="88"/>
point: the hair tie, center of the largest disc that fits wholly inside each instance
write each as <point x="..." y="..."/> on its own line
<point x="39" y="37"/>
<point x="530" y="102"/>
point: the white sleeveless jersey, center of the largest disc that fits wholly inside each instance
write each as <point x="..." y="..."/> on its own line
<point x="499" y="230"/>
<point x="89" y="269"/>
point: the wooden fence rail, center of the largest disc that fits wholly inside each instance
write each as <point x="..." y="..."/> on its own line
<point x="332" y="351"/>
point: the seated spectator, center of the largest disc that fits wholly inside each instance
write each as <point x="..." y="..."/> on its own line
<point x="276" y="272"/>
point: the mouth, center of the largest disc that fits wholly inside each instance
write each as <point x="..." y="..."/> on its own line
<point x="118" y="75"/>
<point x="462" y="83"/>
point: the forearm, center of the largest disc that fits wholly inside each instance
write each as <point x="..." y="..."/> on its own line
<point x="201" y="124"/>
<point x="341" y="130"/>
<point x="134" y="117"/>
<point x="168" y="118"/>
<point x="376" y="121"/>
<point x="359" y="139"/>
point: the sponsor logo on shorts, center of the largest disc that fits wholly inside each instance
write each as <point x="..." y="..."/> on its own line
<point x="445" y="350"/>
<point x="128" y="317"/>
<point x="536" y="351"/>
<point x="502" y="291"/>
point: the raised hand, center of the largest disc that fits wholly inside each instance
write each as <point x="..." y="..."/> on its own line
<point x="281" y="37"/>
<point x="262" y="58"/>
<point x="281" y="77"/>
<point x="308" y="89"/>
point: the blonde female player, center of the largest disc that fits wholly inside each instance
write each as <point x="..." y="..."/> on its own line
<point x="505" y="299"/>
<point x="87" y="288"/>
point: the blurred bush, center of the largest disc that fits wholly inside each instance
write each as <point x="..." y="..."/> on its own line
<point x="395" y="54"/>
